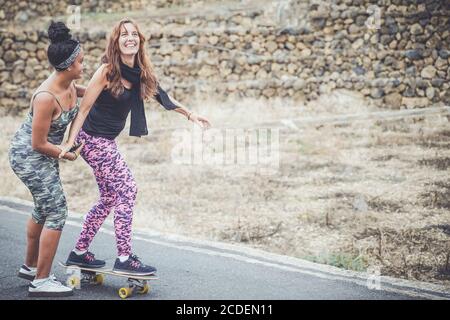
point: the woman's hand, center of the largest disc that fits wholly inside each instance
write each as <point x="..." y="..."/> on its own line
<point x="65" y="150"/>
<point x="200" y="121"/>
<point x="73" y="155"/>
<point x="77" y="151"/>
<point x="64" y="147"/>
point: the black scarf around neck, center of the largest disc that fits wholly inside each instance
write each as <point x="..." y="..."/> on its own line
<point x="138" y="124"/>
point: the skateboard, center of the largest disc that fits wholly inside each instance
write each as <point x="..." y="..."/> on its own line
<point x="79" y="275"/>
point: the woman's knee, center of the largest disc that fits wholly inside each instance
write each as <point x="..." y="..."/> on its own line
<point x="57" y="220"/>
<point x="127" y="187"/>
<point x="56" y="214"/>
<point x="108" y="200"/>
<point x="126" y="194"/>
<point x="34" y="229"/>
<point x="38" y="217"/>
<point x="133" y="188"/>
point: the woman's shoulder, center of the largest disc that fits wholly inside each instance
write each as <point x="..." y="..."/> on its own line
<point x="100" y="75"/>
<point x="43" y="100"/>
<point x="103" y="66"/>
<point x="103" y="70"/>
<point x="43" y="97"/>
<point x="44" y="93"/>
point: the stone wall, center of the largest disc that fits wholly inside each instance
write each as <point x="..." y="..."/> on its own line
<point x="24" y="11"/>
<point x="401" y="62"/>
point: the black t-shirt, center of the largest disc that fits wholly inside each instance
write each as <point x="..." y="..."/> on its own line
<point x="108" y="115"/>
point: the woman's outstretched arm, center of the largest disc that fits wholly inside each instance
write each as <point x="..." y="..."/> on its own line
<point x="169" y="103"/>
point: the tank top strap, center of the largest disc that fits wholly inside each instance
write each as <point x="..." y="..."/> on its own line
<point x="34" y="96"/>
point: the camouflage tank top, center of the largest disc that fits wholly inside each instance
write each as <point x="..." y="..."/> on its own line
<point x="21" y="142"/>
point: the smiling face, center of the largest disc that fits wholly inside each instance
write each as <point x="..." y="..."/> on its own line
<point x="126" y="44"/>
<point x="128" y="39"/>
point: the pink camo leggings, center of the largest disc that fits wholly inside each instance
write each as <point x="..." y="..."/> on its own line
<point x="117" y="191"/>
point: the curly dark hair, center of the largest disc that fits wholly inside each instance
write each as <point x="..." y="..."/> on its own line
<point x="62" y="45"/>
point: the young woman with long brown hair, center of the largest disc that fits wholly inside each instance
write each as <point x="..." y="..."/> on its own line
<point x="121" y="84"/>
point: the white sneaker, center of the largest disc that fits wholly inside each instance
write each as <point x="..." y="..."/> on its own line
<point x="27" y="273"/>
<point x="48" y="288"/>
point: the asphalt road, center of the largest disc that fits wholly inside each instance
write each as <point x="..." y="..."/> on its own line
<point x="191" y="270"/>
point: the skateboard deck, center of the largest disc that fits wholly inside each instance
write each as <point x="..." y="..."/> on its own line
<point x="79" y="275"/>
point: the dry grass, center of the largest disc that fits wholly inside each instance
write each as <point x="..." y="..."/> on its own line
<point x="355" y="195"/>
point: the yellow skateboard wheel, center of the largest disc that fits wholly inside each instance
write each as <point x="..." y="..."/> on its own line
<point x="125" y="292"/>
<point x="145" y="289"/>
<point x="99" y="279"/>
<point x="73" y="281"/>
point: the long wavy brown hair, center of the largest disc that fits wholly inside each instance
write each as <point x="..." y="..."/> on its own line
<point x="111" y="57"/>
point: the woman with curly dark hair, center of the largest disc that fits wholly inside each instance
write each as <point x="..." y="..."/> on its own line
<point x="33" y="156"/>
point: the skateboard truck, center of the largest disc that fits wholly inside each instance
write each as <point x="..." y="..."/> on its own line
<point x="141" y="286"/>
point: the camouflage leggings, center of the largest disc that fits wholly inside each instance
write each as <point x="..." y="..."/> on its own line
<point x="117" y="191"/>
<point x="41" y="176"/>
